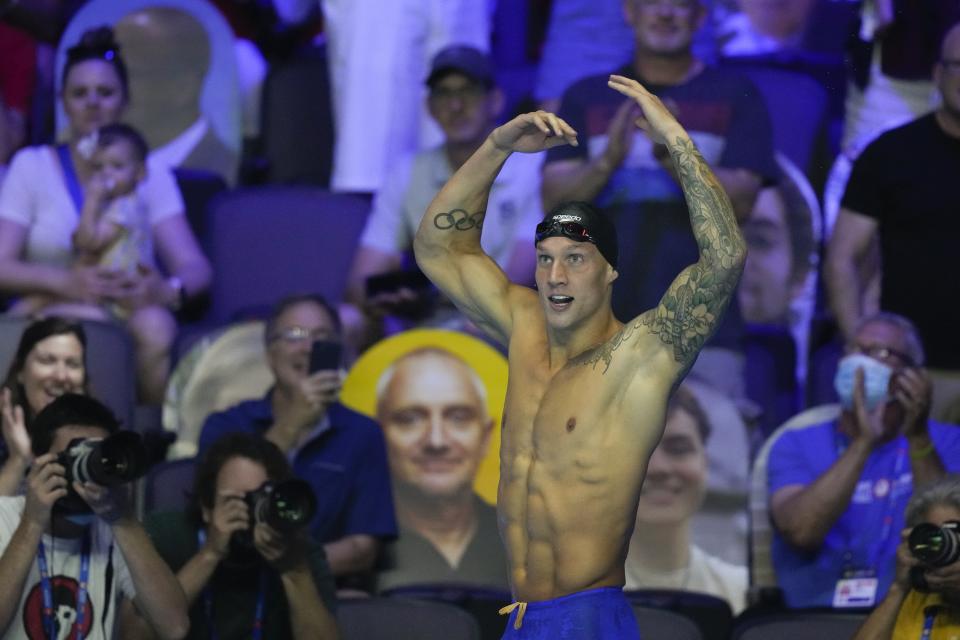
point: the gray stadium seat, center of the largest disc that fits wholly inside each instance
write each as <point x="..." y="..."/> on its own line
<point x="403" y="619"/>
<point x="661" y="624"/>
<point x="800" y="626"/>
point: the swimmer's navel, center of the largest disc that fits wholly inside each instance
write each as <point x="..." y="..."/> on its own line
<point x="571" y="424"/>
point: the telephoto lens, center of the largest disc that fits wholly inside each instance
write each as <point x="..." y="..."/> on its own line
<point x="111" y="461"/>
<point x="108" y="462"/>
<point x="935" y="546"/>
<point x="285" y="506"/>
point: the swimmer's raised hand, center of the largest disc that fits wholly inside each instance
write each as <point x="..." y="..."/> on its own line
<point x="533" y="132"/>
<point x="656" y="119"/>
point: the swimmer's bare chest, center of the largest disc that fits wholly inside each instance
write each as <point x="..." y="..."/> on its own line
<point x="571" y="463"/>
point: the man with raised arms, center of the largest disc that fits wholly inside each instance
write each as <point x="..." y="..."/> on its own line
<point x="587" y="394"/>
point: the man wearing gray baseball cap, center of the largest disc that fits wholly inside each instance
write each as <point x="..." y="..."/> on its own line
<point x="465" y="101"/>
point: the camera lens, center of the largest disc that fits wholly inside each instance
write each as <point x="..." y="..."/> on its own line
<point x="293" y="502"/>
<point x="285" y="506"/>
<point x="112" y="461"/>
<point x="115" y="460"/>
<point x="933" y="545"/>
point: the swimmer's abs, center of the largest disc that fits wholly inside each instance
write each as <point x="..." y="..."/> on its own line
<point x="558" y="569"/>
<point x="561" y="537"/>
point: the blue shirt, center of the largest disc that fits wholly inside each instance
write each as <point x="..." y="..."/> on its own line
<point x="866" y="536"/>
<point x="346" y="465"/>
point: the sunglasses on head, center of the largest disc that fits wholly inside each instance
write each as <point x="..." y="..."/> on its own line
<point x="571" y="230"/>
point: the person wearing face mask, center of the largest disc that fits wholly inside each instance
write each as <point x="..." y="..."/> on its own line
<point x="50" y="361"/>
<point x="72" y="552"/>
<point x="662" y="554"/>
<point x="837" y="490"/>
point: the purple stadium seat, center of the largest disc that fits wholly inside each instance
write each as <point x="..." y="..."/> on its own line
<point x="799" y="113"/>
<point x="268" y="242"/>
<point x="168" y="485"/>
<point x="198" y="188"/>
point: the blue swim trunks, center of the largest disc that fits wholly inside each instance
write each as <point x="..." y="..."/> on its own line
<point x="597" y="614"/>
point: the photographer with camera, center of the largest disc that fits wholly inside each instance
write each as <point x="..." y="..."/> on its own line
<point x="838" y="489"/>
<point x="242" y="553"/>
<point x="72" y="551"/>
<point x="339" y="451"/>
<point x="924" y="599"/>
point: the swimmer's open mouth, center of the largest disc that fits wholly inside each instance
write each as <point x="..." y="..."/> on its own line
<point x="560" y="299"/>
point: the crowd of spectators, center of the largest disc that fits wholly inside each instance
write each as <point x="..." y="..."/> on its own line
<point x="108" y="109"/>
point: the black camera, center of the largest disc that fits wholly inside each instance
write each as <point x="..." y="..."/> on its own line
<point x="108" y="462"/>
<point x="285" y="506"/>
<point x="934" y="546"/>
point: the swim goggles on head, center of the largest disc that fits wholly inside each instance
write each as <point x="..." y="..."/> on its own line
<point x="571" y="230"/>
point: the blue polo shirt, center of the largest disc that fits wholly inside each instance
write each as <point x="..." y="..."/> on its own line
<point x="346" y="464"/>
<point x="867" y="534"/>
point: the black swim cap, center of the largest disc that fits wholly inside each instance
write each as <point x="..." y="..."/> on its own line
<point x="582" y="222"/>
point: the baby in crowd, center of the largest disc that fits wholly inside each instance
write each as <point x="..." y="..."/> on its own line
<point x="113" y="231"/>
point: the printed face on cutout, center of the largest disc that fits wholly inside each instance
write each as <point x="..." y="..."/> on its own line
<point x="434" y="417"/>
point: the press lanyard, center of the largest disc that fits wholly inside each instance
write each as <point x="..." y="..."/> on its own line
<point x="208" y="600"/>
<point x="70" y="174"/>
<point x="49" y="625"/>
<point x="931" y="614"/>
<point x="889" y="510"/>
<point x="891" y="506"/>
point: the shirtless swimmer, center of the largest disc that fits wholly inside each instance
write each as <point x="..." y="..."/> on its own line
<point x="587" y="394"/>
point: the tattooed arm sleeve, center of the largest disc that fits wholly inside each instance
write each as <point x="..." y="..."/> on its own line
<point x="690" y="310"/>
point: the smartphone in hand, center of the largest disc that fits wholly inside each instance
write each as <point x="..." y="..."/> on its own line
<point x="391" y="282"/>
<point x="325" y="355"/>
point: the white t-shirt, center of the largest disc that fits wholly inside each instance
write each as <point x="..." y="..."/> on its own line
<point x="705" y="574"/>
<point x="513" y="211"/>
<point x="135" y="244"/>
<point x="63" y="559"/>
<point x="379" y="54"/>
<point x="35" y="195"/>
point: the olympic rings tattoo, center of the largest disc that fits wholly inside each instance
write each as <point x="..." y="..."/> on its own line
<point x="458" y="219"/>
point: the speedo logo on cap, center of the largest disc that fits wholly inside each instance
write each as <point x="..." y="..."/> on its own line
<point x="565" y="217"/>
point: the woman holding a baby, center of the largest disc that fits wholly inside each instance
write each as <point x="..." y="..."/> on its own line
<point x="80" y="222"/>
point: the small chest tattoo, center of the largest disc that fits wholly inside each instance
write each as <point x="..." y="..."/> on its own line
<point x="571" y="424"/>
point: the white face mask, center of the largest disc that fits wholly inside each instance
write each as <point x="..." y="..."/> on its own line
<point x="80" y="519"/>
<point x="876" y="380"/>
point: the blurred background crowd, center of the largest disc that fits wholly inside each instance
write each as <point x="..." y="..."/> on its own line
<point x="194" y="194"/>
